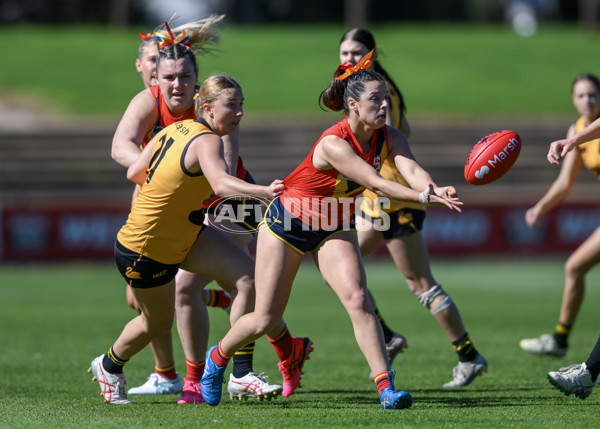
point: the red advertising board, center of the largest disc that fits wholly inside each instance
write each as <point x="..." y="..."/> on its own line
<point x="502" y="230"/>
<point x="66" y="233"/>
<point x="60" y="233"/>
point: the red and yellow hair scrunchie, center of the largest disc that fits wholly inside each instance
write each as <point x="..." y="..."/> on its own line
<point x="163" y="40"/>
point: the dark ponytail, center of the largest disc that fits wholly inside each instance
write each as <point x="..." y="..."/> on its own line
<point x="335" y="96"/>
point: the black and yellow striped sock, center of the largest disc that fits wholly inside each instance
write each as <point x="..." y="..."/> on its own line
<point x="113" y="363"/>
<point x="243" y="360"/>
<point x="465" y="349"/>
<point x="561" y="334"/>
<point x="388" y="334"/>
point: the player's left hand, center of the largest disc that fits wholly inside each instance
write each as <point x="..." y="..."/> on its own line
<point x="429" y="197"/>
<point x="446" y="192"/>
<point x="276" y="188"/>
<point x="558" y="150"/>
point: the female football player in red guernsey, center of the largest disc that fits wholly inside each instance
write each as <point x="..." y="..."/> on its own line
<point x="315" y="214"/>
<point x="403" y="237"/>
<point x="148" y="113"/>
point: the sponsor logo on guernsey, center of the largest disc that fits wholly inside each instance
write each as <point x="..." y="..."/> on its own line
<point x="182" y="128"/>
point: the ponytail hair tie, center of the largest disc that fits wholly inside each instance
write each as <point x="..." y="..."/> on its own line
<point x="364" y="63"/>
<point x="163" y="40"/>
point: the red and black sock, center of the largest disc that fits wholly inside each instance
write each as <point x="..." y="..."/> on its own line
<point x="383" y="381"/>
<point x="218" y="298"/>
<point x="282" y="344"/>
<point x="219" y="356"/>
<point x="166" y="372"/>
<point x="194" y="370"/>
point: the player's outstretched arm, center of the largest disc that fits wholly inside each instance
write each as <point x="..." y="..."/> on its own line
<point x="337" y="153"/>
<point x="559" y="148"/>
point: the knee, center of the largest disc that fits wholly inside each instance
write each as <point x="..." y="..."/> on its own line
<point x="245" y="285"/>
<point x="573" y="268"/>
<point x="265" y="325"/>
<point x="357" y="301"/>
<point x="184" y="297"/>
<point x="158" y="325"/>
<point x="417" y="287"/>
<point x="244" y="288"/>
<point x="419" y="284"/>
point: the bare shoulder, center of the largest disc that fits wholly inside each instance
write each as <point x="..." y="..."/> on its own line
<point x="333" y="145"/>
<point x="144" y="99"/>
<point x="329" y="149"/>
<point x="201" y="139"/>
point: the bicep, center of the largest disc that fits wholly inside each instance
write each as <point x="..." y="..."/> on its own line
<point x="231" y="150"/>
<point x="209" y="150"/>
<point x="138" y="119"/>
<point x="339" y="154"/>
<point x="400" y="150"/>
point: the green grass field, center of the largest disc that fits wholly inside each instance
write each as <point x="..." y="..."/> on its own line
<point x="442" y="69"/>
<point x="56" y="318"/>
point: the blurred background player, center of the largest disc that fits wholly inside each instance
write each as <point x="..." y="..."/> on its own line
<point x="145" y="63"/>
<point x="578" y="379"/>
<point x="403" y="238"/>
<point x="586" y="99"/>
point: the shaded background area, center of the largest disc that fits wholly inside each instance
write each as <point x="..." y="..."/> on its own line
<point x="62" y="196"/>
<point x="127" y="12"/>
